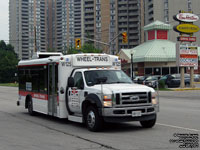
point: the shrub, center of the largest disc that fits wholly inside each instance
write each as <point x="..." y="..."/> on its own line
<point x="161" y="84"/>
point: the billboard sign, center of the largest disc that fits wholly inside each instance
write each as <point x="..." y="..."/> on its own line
<point x="187" y="55"/>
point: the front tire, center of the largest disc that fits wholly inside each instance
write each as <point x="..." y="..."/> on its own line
<point x="93" y="121"/>
<point x="148" y="123"/>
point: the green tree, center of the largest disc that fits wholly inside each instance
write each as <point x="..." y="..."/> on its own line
<point x="2" y="45"/>
<point x="9" y="47"/>
<point x="8" y="63"/>
<point x="86" y="48"/>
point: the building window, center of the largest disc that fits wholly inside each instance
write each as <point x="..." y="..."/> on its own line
<point x="189" y="5"/>
<point x="166" y="11"/>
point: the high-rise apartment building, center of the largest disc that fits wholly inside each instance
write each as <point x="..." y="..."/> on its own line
<point x="105" y="20"/>
<point x="164" y="10"/>
<point x="59" y="23"/>
<point x="27" y="26"/>
<point x="128" y="18"/>
<point x="53" y="25"/>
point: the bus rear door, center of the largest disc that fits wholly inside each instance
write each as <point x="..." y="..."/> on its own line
<point x="52" y="88"/>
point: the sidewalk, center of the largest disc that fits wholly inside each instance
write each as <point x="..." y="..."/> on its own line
<point x="197" y="87"/>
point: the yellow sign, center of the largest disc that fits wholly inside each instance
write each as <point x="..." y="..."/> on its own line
<point x="187" y="28"/>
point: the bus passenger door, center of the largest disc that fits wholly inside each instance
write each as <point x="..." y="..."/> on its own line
<point x="52" y="88"/>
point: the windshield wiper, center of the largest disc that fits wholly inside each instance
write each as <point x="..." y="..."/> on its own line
<point x="116" y="82"/>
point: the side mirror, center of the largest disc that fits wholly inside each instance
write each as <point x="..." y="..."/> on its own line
<point x="70" y="82"/>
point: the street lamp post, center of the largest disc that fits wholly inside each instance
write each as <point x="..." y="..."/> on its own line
<point x="132" y="66"/>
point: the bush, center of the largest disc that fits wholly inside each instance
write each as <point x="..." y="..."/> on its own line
<point x="161" y="84"/>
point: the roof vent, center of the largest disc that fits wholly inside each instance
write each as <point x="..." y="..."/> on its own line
<point x="39" y="55"/>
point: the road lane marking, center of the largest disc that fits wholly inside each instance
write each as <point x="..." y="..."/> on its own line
<point x="167" y="125"/>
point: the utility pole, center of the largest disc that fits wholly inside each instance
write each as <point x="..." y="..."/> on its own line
<point x="35" y="44"/>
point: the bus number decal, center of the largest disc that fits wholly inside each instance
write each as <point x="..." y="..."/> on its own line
<point x="66" y="64"/>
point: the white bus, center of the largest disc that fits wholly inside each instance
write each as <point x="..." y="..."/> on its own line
<point x="86" y="88"/>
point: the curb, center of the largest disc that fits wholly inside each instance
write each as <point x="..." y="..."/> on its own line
<point x="185" y="89"/>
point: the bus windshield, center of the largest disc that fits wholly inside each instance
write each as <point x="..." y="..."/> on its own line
<point x="113" y="76"/>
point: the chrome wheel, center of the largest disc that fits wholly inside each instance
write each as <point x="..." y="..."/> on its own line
<point x="91" y="119"/>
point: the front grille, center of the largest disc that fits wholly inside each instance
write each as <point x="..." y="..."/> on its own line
<point x="133" y="98"/>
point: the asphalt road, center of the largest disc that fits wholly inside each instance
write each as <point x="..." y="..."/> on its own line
<point x="179" y="113"/>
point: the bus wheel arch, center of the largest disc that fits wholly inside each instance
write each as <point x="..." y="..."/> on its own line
<point x="91" y="100"/>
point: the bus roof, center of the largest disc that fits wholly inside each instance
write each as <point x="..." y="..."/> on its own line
<point x="76" y="60"/>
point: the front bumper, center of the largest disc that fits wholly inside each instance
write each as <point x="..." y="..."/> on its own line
<point x="129" y="118"/>
<point x="125" y="113"/>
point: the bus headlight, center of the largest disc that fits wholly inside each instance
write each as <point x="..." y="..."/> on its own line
<point x="154" y="98"/>
<point x="107" y="100"/>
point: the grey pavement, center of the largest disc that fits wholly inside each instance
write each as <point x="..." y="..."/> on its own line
<point x="179" y="113"/>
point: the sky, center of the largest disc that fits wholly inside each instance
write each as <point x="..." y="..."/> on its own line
<point x="4" y="19"/>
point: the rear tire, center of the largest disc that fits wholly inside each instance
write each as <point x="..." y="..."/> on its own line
<point x="30" y="107"/>
<point x="93" y="120"/>
<point x="187" y="84"/>
<point x="148" y="123"/>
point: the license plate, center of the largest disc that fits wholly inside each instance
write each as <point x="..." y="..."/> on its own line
<point x="136" y="113"/>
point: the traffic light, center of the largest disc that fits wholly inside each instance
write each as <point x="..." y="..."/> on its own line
<point x="78" y="43"/>
<point x="124" y="38"/>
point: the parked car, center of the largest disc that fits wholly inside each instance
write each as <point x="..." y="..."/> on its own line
<point x="151" y="81"/>
<point x="139" y="79"/>
<point x="174" y="80"/>
<point x="196" y="77"/>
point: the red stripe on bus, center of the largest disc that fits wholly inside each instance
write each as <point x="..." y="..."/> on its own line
<point x="34" y="95"/>
<point x="33" y="65"/>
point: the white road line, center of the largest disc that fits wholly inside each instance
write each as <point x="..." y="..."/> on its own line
<point x="167" y="125"/>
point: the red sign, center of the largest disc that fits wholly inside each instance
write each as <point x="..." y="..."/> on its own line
<point x="187" y="39"/>
<point x="188" y="56"/>
<point x="162" y="34"/>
